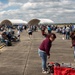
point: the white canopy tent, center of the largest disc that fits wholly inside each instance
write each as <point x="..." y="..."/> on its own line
<point x="17" y="21"/>
<point x="40" y="21"/>
<point x="13" y="22"/>
<point x="45" y="21"/>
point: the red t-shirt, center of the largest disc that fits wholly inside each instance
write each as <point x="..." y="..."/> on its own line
<point x="46" y="45"/>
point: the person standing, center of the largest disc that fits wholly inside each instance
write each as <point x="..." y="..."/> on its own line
<point x="44" y="50"/>
<point x="18" y="35"/>
<point x="49" y="29"/>
<point x="67" y="32"/>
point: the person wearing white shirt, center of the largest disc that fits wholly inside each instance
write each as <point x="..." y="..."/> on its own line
<point x="18" y="34"/>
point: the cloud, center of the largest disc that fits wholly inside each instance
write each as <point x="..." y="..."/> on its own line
<point x="56" y="10"/>
<point x="19" y="1"/>
<point x="44" y="0"/>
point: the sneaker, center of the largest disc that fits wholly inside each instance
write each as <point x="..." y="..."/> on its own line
<point x="45" y="72"/>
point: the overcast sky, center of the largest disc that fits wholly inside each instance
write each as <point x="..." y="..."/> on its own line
<point x="57" y="10"/>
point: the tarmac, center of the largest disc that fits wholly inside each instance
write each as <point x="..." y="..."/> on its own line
<point x="22" y="58"/>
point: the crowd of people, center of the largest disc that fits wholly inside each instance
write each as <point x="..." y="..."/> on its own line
<point x="8" y="36"/>
<point x="44" y="48"/>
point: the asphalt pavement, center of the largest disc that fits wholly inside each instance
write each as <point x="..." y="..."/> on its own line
<point x="22" y="58"/>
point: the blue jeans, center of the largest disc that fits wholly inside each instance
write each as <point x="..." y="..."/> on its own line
<point x="67" y="35"/>
<point x="74" y="52"/>
<point x="43" y="56"/>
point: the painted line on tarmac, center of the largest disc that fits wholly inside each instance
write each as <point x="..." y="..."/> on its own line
<point x="25" y="66"/>
<point x="1" y="46"/>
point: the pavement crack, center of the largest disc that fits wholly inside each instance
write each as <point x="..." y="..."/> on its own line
<point x="24" y="71"/>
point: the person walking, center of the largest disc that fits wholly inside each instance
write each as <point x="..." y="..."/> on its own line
<point x="44" y="50"/>
<point x="30" y="31"/>
<point x="43" y="28"/>
<point x="72" y="35"/>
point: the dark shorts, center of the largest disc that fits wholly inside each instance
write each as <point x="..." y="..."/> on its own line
<point x="30" y="33"/>
<point x="18" y="35"/>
